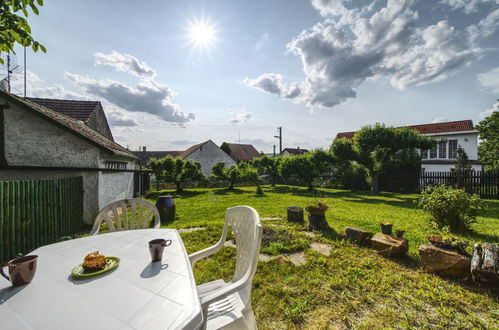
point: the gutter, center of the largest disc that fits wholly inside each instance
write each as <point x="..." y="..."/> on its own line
<point x="68" y="168"/>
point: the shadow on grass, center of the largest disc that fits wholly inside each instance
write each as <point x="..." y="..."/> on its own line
<point x="182" y="194"/>
<point x="228" y="191"/>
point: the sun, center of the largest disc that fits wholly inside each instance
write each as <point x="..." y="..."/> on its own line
<point x="201" y="35"/>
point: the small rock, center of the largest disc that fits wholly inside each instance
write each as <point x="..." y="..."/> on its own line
<point x="357" y="234"/>
<point x="310" y="233"/>
<point x="322" y="248"/>
<point x="271" y="218"/>
<point x="389" y="246"/>
<point x="443" y="262"/>
<point x="266" y="257"/>
<point x="230" y="243"/>
<point x="297" y="258"/>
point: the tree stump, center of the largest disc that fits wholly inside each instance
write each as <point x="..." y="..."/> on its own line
<point x="357" y="235"/>
<point x="443" y="262"/>
<point x="485" y="264"/>
<point x="295" y="214"/>
<point x="317" y="222"/>
<point x="389" y="246"/>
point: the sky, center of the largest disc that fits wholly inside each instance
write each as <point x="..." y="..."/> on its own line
<point x="171" y="74"/>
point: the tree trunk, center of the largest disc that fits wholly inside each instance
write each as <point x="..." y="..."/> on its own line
<point x="374" y="183"/>
<point x="485" y="264"/>
<point x="310" y="185"/>
<point x="317" y="222"/>
<point x="231" y="185"/>
<point x="179" y="188"/>
<point x="295" y="214"/>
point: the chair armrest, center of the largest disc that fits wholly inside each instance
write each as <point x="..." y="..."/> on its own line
<point x="193" y="257"/>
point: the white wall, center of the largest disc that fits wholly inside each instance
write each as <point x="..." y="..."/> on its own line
<point x="468" y="141"/>
<point x="208" y="155"/>
<point x="445" y="167"/>
<point x="114" y="186"/>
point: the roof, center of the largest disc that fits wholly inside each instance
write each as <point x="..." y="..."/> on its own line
<point x="69" y="124"/>
<point x="80" y="110"/>
<point x="295" y="151"/>
<point x="144" y="156"/>
<point x="242" y="152"/>
<point x="190" y="150"/>
<point x="447" y="127"/>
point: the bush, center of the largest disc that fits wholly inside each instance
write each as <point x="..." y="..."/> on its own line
<point x="353" y="177"/>
<point x="451" y="207"/>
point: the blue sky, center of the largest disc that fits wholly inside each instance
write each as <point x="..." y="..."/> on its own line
<point x="315" y="67"/>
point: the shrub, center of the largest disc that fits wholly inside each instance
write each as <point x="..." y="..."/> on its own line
<point x="451" y="207"/>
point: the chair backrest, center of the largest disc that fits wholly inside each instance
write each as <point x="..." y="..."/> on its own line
<point x="133" y="213"/>
<point x="247" y="230"/>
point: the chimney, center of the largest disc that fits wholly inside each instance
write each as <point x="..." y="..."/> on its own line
<point x="298" y="147"/>
<point x="144" y="149"/>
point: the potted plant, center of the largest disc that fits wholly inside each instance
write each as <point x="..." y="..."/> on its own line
<point x="386" y="228"/>
<point x="316" y="208"/>
<point x="445" y="240"/>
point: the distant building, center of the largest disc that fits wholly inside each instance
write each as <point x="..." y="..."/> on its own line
<point x="442" y="157"/>
<point x="39" y="143"/>
<point x="89" y="112"/>
<point x="206" y="154"/>
<point x="293" y="151"/>
<point x="240" y="152"/>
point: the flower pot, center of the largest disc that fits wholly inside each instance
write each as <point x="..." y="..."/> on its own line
<point x="399" y="233"/>
<point x="386" y="228"/>
<point x="166" y="208"/>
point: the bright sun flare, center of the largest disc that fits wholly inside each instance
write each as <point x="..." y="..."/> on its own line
<point x="201" y="35"/>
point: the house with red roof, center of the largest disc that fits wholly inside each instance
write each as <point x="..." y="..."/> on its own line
<point x="451" y="135"/>
<point x="240" y="152"/>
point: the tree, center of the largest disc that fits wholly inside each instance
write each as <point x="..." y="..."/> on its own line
<point x="462" y="163"/>
<point x="249" y="173"/>
<point x="308" y="166"/>
<point x="231" y="174"/>
<point x="14" y="28"/>
<point x="268" y="165"/>
<point x="177" y="170"/>
<point x="488" y="151"/>
<point x="378" y="147"/>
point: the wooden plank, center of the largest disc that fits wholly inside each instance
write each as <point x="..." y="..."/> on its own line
<point x="2" y="221"/>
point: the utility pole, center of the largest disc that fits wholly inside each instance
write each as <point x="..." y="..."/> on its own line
<point x="279" y="129"/>
<point x="274" y="150"/>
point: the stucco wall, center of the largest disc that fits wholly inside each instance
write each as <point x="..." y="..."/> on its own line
<point x="468" y="141"/>
<point x="114" y="186"/>
<point x="31" y="140"/>
<point x="445" y="167"/>
<point x="98" y="122"/>
<point x="208" y="155"/>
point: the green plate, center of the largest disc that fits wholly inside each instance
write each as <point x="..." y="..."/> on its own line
<point x="80" y="273"/>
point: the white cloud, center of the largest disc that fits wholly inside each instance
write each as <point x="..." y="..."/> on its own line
<point x="355" y="44"/>
<point x="468" y="6"/>
<point x="489" y="111"/>
<point x="147" y="96"/>
<point x="490" y="80"/>
<point x="240" y="116"/>
<point x="125" y="63"/>
<point x="117" y="118"/>
<point x="274" y="84"/>
<point x="264" y="39"/>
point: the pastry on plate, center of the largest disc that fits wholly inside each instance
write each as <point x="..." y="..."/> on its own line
<point x="94" y="261"/>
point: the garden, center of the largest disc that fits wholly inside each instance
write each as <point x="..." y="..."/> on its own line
<point x="319" y="279"/>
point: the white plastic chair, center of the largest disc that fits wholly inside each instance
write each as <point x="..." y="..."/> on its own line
<point x="228" y="305"/>
<point x="118" y="218"/>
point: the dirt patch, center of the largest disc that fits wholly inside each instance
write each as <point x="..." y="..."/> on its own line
<point x="266" y="257"/>
<point x="322" y="248"/>
<point x="271" y="218"/>
<point x="188" y="230"/>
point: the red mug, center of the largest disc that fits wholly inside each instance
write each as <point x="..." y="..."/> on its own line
<point x="21" y="270"/>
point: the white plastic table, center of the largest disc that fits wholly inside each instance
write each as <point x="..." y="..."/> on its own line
<point x="136" y="295"/>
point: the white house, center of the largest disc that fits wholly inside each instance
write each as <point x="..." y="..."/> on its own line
<point x="39" y="143"/>
<point x="206" y="154"/>
<point x="442" y="157"/>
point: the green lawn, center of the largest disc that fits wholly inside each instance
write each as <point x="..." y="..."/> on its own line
<point x="353" y="287"/>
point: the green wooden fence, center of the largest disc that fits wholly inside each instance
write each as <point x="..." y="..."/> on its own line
<point x="38" y="212"/>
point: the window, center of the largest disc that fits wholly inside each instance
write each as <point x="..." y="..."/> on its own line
<point x="452" y="148"/>
<point x="424" y="154"/>
<point x="433" y="152"/>
<point x="442" y="149"/>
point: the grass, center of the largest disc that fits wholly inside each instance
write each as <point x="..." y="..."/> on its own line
<point x="352" y="287"/>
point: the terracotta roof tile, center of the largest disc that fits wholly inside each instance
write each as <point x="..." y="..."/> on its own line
<point x="447" y="127"/>
<point x="242" y="152"/>
<point x="72" y="125"/>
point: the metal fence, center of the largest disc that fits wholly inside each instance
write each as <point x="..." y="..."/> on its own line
<point x="485" y="184"/>
<point x="38" y="212"/>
